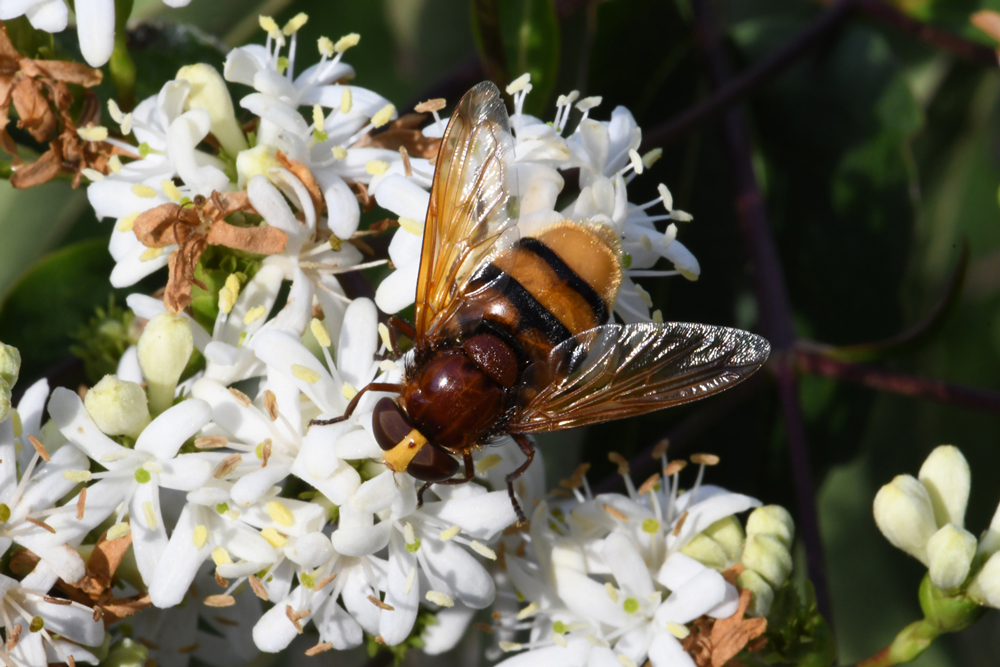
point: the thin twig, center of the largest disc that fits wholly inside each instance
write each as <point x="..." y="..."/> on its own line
<point x="898" y="383"/>
<point x="772" y="299"/>
<point x="799" y="46"/>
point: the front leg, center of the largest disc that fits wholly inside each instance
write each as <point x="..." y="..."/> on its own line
<point x="470" y="472"/>
<point x="529" y="451"/>
<point x="374" y="386"/>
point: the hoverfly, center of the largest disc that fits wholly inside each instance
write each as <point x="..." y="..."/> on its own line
<point x="511" y="334"/>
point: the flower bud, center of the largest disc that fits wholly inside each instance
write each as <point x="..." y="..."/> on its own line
<point x="772" y="520"/>
<point x="10" y="364"/>
<point x="949" y="555"/>
<point x="763" y="594"/>
<point x="904" y="514"/>
<point x="985" y="586"/>
<point x="164" y="349"/>
<point x="257" y="161"/>
<point x="706" y="551"/>
<point x="209" y="92"/>
<point x="126" y="653"/>
<point x="728" y="534"/>
<point x="117" y="407"/>
<point x="989" y="542"/>
<point x="768" y="557"/>
<point x="5" y="390"/>
<point x="947" y="478"/>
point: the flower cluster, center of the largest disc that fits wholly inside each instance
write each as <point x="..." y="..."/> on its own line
<point x="925" y="517"/>
<point x="620" y="578"/>
<point x="190" y="479"/>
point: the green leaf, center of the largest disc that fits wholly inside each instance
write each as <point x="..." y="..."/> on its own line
<point x="53" y="300"/>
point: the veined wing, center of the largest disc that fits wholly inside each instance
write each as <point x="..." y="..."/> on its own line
<point x="616" y="371"/>
<point x="471" y="217"/>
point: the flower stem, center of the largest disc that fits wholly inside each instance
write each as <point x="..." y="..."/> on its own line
<point x="123" y="71"/>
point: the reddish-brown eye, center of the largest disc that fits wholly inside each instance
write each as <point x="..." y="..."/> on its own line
<point x="432" y="464"/>
<point x="389" y="423"/>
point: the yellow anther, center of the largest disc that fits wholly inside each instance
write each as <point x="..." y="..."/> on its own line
<point x="339" y="152"/>
<point x="220" y="556"/>
<point x="295" y="23"/>
<point x="440" y="599"/>
<point x="150" y="515"/>
<point x="383" y="115"/>
<point x="346" y="42"/>
<point x="279" y="513"/>
<point x="228" y="293"/>
<point x="273" y="537"/>
<point x="488" y="462"/>
<point x="143" y="191"/>
<point x="383" y="332"/>
<point x="349" y="391"/>
<point x="305" y="374"/>
<point x="200" y="537"/>
<point x="115" y="164"/>
<point x="519" y="83"/>
<point x="325" y="47"/>
<point x="171" y="190"/>
<point x="320" y="333"/>
<point x="318" y="118"/>
<point x="254" y="314"/>
<point x="118" y="530"/>
<point x="450" y="533"/>
<point x="126" y="223"/>
<point x="150" y="254"/>
<point x="77" y="475"/>
<point x="346" y="100"/>
<point x="269" y="25"/>
<point x="93" y="133"/>
<point x="414" y="227"/>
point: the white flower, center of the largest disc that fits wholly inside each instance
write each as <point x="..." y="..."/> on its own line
<point x="925" y="517"/>
<point x="134" y="476"/>
<point x="40" y="487"/>
<point x="39" y="620"/>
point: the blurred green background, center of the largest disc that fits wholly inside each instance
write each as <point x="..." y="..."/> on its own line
<point x="877" y="155"/>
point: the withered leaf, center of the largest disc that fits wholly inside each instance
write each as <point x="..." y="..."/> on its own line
<point x="730" y="635"/>
<point x="31" y="105"/>
<point x="301" y="172"/>
<point x="403" y="132"/>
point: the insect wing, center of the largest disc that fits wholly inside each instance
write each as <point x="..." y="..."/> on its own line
<point x="471" y="218"/>
<point x="616" y="371"/>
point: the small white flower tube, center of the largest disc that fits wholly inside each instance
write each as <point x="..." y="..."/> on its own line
<point x="772" y="520"/>
<point x="763" y="594"/>
<point x="947" y="477"/>
<point x="164" y="349"/>
<point x="118" y="407"/>
<point x="949" y="555"/>
<point x="768" y="557"/>
<point x="985" y="586"/>
<point x="905" y="515"/>
<point x="209" y="92"/>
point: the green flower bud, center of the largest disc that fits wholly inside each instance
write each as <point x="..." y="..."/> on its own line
<point x="905" y="515"/>
<point x="949" y="554"/>
<point x="126" y="653"/>
<point x="947" y="613"/>
<point x="10" y="363"/>
<point x="4" y="399"/>
<point x="768" y="557"/>
<point x="763" y="594"/>
<point x="728" y="534"/>
<point x="772" y="520"/>
<point x="947" y="477"/>
<point x="257" y="161"/>
<point x="989" y="543"/>
<point x="117" y="407"/>
<point x="985" y="586"/>
<point x="209" y="92"/>
<point x="164" y="349"/>
<point x="706" y="551"/>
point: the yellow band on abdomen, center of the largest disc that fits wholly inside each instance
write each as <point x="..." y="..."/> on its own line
<point x="398" y="458"/>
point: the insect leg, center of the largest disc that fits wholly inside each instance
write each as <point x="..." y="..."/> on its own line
<point x="374" y="386"/>
<point x="420" y="494"/>
<point x="470" y="472"/>
<point x="529" y="451"/>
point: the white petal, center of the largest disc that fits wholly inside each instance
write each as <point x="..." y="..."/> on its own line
<point x="306" y="517"/>
<point x="468" y="579"/>
<point x="398" y="290"/>
<point x="482" y="516"/>
<point x="274" y="631"/>
<point x="68" y="413"/>
<point x="165" y="434"/>
<point x="666" y="651"/>
<point x="310" y="551"/>
<point x="395" y="626"/>
<point x="337" y="627"/>
<point x="699" y="595"/>
<point x="359" y="341"/>
<point x="253" y="486"/>
<point x="73" y="621"/>
<point x="343" y="212"/>
<point x="586" y="597"/>
<point x="449" y="629"/>
<point x="50" y="15"/>
<point x="179" y="563"/>
<point x="627" y="565"/>
<point x="187" y="472"/>
<point x="148" y="541"/>
<point x="403" y="197"/>
<point x="95" y="24"/>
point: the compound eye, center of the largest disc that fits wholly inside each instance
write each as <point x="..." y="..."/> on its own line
<point x="389" y="423"/>
<point x="432" y="464"/>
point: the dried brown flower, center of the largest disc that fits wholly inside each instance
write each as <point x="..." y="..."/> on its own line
<point x="39" y="92"/>
<point x="194" y="227"/>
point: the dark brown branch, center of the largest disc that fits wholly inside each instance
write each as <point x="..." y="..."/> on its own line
<point x="898" y="383"/>
<point x="771" y="296"/>
<point x="799" y="46"/>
